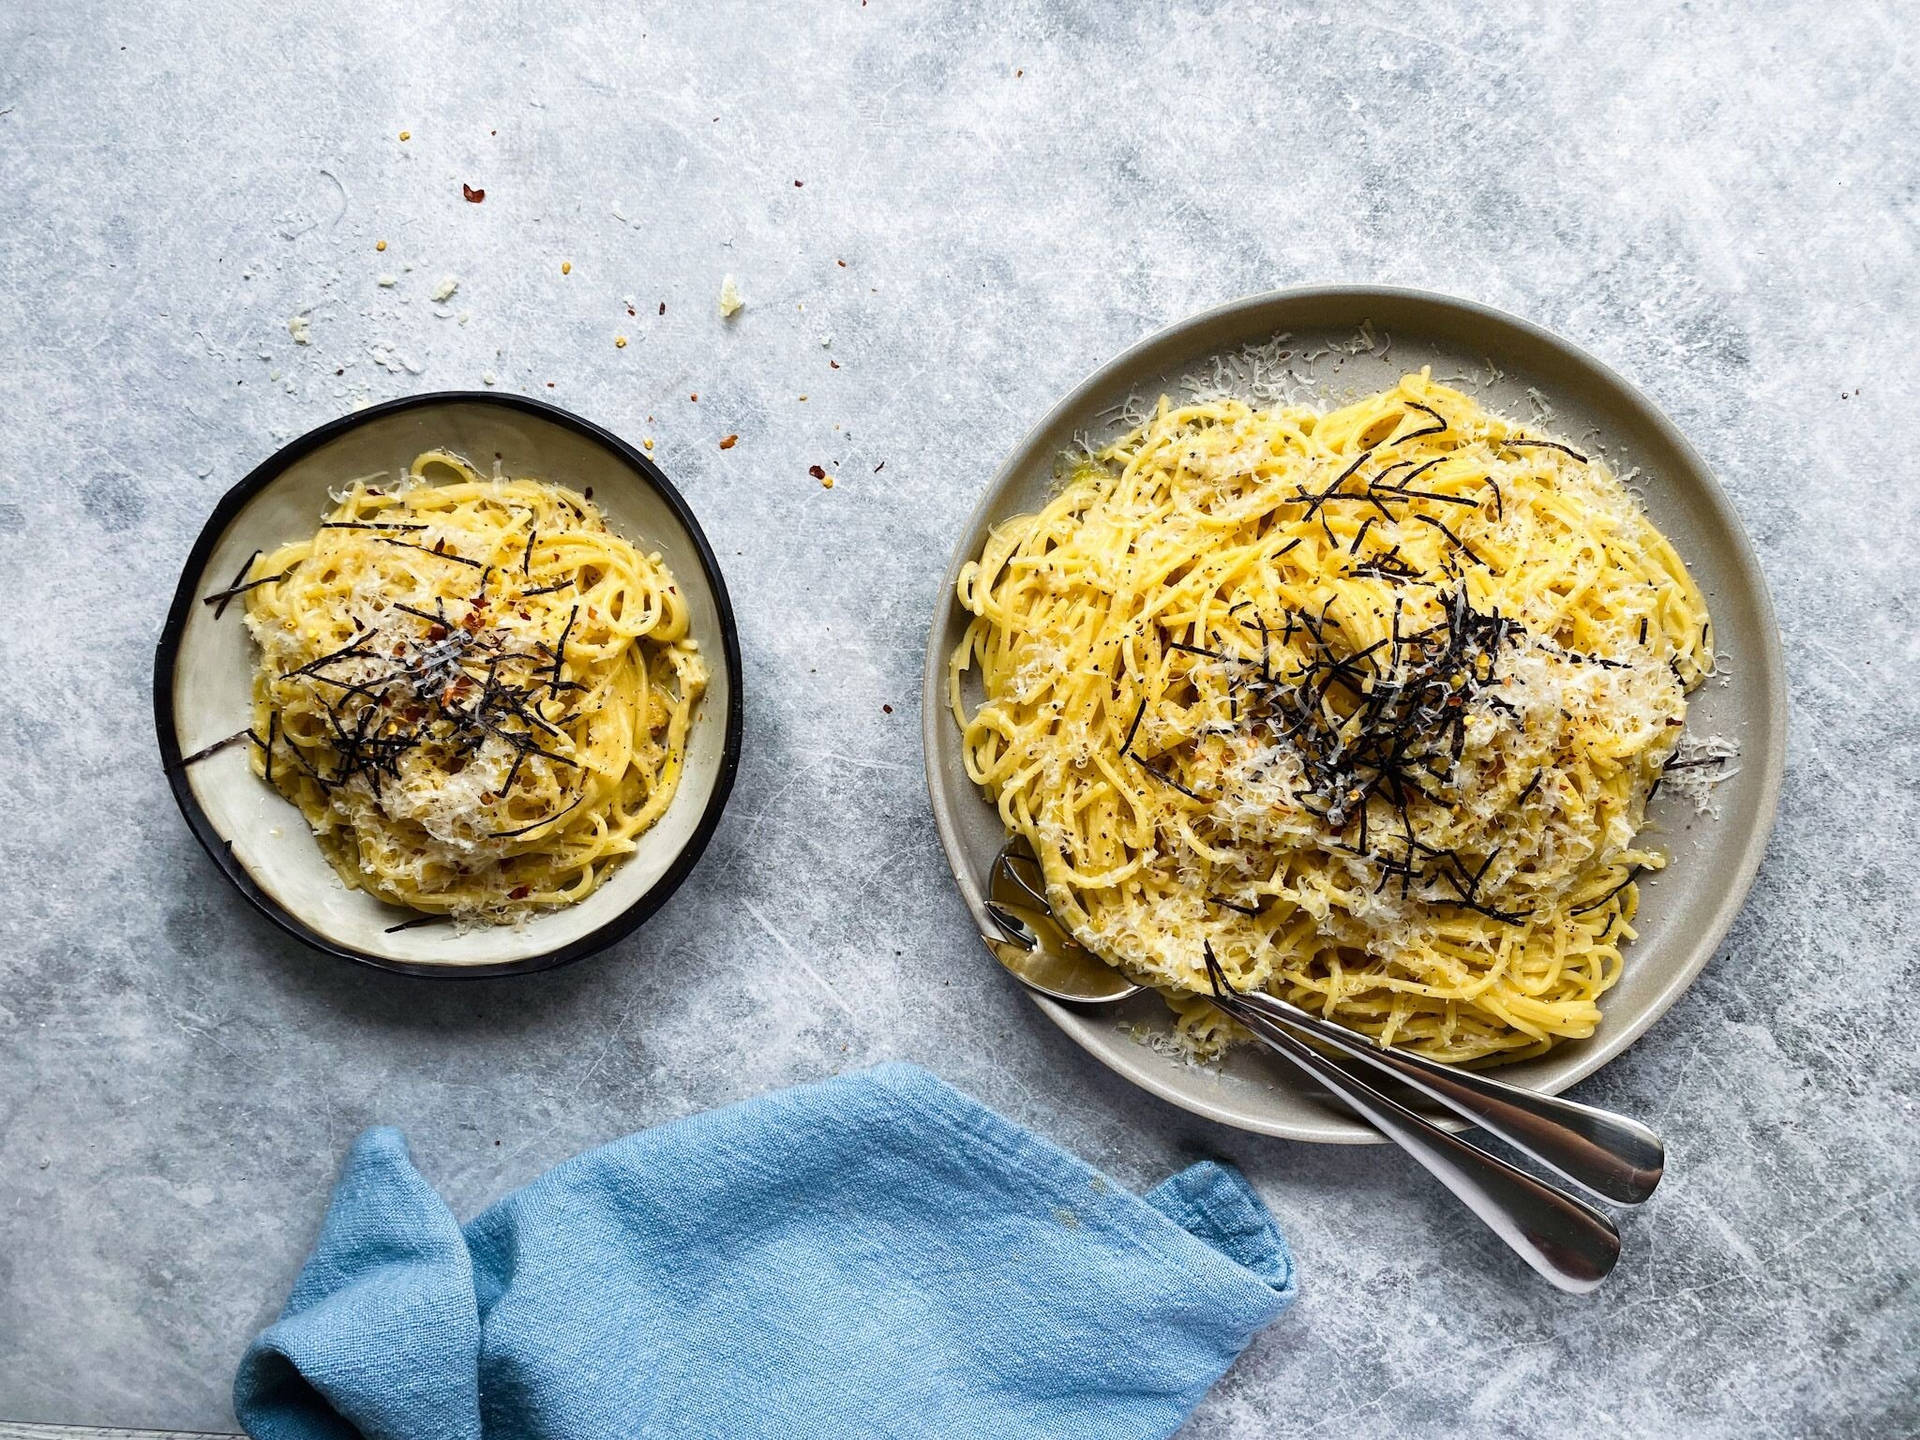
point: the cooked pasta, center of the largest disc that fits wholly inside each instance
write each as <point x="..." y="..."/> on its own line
<point x="1368" y="701"/>
<point x="477" y="694"/>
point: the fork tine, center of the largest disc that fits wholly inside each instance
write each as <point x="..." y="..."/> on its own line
<point x="1013" y="874"/>
<point x="1015" y="928"/>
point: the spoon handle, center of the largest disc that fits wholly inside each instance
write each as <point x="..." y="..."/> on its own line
<point x="1611" y="1155"/>
<point x="1565" y="1239"/>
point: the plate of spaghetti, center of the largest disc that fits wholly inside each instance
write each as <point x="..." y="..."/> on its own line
<point x="1390" y="650"/>
<point x="450" y="686"/>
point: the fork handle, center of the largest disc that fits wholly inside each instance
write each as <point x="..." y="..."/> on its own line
<point x="1614" y="1157"/>
<point x="1565" y="1239"/>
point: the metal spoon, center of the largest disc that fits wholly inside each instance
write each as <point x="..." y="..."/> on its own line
<point x="1562" y="1237"/>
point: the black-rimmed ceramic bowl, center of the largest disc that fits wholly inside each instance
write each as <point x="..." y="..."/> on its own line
<point x="203" y="669"/>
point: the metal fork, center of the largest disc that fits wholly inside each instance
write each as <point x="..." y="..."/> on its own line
<point x="1567" y="1240"/>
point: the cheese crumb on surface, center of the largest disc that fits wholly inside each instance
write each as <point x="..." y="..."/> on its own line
<point x="444" y="290"/>
<point x="301" y="328"/>
<point x="730" y="301"/>
<point x="387" y="281"/>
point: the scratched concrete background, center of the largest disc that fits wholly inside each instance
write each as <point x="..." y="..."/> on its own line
<point x="1717" y="198"/>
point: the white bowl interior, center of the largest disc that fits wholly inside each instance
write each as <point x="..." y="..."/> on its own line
<point x="1685" y="911"/>
<point x="213" y="674"/>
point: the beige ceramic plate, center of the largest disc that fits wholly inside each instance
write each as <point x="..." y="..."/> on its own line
<point x="204" y="665"/>
<point x="1367" y="338"/>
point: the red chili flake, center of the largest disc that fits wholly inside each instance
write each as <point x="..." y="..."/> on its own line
<point x="816" y="472"/>
<point x="798" y="183"/>
<point x="632" y="311"/>
<point x="440" y="546"/>
<point x="841" y="263"/>
<point x="549" y="384"/>
<point x="694" y="396"/>
<point x="472" y="623"/>
<point x="473" y="195"/>
<point x="886" y="709"/>
<point x="729" y="442"/>
<point x="663" y="307"/>
<point x="519" y="892"/>
<point x="834" y="363"/>
<point x="436" y="632"/>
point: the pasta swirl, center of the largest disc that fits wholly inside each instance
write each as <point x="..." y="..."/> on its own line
<point x="1369" y="702"/>
<point x="477" y="694"/>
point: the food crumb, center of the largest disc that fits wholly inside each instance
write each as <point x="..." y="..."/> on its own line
<point x="473" y="195"/>
<point x="834" y="363"/>
<point x="886" y="709"/>
<point x="728" y="442"/>
<point x="647" y="444"/>
<point x="444" y="290"/>
<point x="694" y="396"/>
<point x="816" y="472"/>
<point x="379" y="244"/>
<point x="730" y="301"/>
<point x="619" y="342"/>
<point x="301" y="329"/>
<point x="566" y="267"/>
<point x="406" y="134"/>
<point x="828" y="482"/>
<point x="387" y="281"/>
<point x="803" y="397"/>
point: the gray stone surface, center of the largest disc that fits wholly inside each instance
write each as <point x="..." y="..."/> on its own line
<point x="1719" y="199"/>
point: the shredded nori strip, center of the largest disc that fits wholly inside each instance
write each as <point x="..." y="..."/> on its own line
<point x="217" y="746"/>
<point x="1546" y="445"/>
<point x="238" y="576"/>
<point x="427" y="550"/>
<point x="223" y="596"/>
<point x="1465" y="548"/>
<point x="509" y="834"/>
<point x="1437" y="429"/>
<point x="1632" y="875"/>
<point x="417" y="922"/>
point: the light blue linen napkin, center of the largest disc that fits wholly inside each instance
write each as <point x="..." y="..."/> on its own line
<point x="875" y="1255"/>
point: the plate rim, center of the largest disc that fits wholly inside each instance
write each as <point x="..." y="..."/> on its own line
<point x="220" y="850"/>
<point x="1751" y="851"/>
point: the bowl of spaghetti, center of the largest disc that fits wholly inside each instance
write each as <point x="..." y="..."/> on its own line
<point x="1376" y="645"/>
<point x="451" y="687"/>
